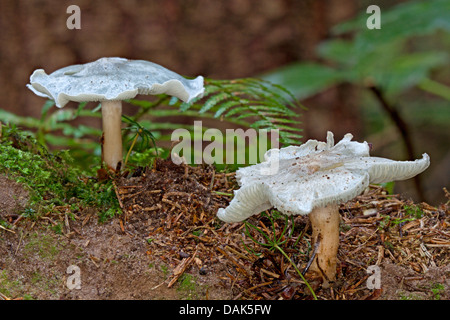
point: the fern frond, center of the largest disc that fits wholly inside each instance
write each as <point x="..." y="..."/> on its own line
<point x="247" y="103"/>
<point x="272" y="106"/>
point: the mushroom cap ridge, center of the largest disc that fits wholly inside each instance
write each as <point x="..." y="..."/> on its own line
<point x="112" y="79"/>
<point x="313" y="175"/>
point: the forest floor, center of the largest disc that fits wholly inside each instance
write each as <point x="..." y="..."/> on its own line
<point x="168" y="244"/>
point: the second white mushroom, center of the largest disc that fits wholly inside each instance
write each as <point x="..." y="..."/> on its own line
<point x="313" y="179"/>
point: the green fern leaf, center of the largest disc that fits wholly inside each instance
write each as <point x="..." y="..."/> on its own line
<point x="214" y="100"/>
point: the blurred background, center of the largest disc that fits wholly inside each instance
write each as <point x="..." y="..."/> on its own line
<point x="388" y="86"/>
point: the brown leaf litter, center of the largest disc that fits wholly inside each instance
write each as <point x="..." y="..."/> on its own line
<point x="169" y="218"/>
<point x="180" y="203"/>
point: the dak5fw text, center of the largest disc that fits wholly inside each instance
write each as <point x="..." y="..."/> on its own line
<point x="226" y="309"/>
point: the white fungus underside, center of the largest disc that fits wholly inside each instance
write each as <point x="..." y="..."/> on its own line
<point x="313" y="175"/>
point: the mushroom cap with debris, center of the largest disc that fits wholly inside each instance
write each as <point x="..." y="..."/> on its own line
<point x="298" y="179"/>
<point x="112" y="79"/>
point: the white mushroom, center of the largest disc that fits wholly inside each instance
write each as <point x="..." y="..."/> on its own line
<point x="313" y="179"/>
<point x="111" y="80"/>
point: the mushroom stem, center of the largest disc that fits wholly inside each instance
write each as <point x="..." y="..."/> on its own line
<point x="112" y="134"/>
<point x="325" y="229"/>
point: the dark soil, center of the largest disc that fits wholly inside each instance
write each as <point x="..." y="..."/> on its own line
<point x="168" y="244"/>
<point x="13" y="197"/>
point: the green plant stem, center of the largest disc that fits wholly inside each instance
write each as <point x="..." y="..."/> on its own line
<point x="296" y="269"/>
<point x="436" y="88"/>
<point x="274" y="244"/>
<point x="131" y="148"/>
<point x="223" y="193"/>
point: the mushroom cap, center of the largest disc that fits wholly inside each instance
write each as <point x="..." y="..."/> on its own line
<point x="112" y="79"/>
<point x="312" y="175"/>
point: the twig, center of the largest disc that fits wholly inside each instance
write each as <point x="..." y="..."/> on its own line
<point x="313" y="256"/>
<point x="179" y="270"/>
<point x="239" y="267"/>
<point x="253" y="288"/>
<point x="2" y="227"/>
<point x="118" y="196"/>
<point x="20" y="241"/>
<point x="211" y="185"/>
<point x="3" y="297"/>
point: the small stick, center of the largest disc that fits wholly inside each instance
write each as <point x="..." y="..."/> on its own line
<point x="313" y="256"/>
<point x="212" y="180"/>
<point x="179" y="270"/>
<point x="2" y="227"/>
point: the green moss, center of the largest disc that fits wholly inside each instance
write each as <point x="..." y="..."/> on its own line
<point x="53" y="179"/>
<point x="44" y="246"/>
<point x="437" y="289"/>
<point x="411" y="296"/>
<point x="414" y="211"/>
<point x="165" y="270"/>
<point x="188" y="287"/>
<point x="9" y="287"/>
